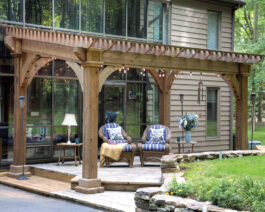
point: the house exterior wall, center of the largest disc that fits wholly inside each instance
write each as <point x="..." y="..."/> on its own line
<point x="189" y="23"/>
<point x="189" y="87"/>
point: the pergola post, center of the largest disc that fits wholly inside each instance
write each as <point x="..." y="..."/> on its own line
<point x="164" y="115"/>
<point x="16" y="167"/>
<point x="164" y="97"/>
<point x="242" y="109"/>
<point x="89" y="183"/>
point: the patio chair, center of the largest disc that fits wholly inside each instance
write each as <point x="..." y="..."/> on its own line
<point x="128" y="151"/>
<point x="155" y="143"/>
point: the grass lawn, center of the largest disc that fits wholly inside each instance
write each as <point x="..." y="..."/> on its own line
<point x="258" y="135"/>
<point x="233" y="168"/>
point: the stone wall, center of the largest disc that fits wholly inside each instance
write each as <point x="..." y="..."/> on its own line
<point x="155" y="198"/>
<point x="169" y="162"/>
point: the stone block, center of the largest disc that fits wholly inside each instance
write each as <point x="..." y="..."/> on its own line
<point x="147" y="192"/>
<point x="89" y="186"/>
<point x="89" y="183"/>
<point x="89" y="190"/>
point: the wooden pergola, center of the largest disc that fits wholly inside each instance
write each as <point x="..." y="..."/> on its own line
<point x="93" y="59"/>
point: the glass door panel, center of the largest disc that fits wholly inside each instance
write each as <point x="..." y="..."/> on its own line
<point x="135" y="109"/>
<point x="114" y="102"/>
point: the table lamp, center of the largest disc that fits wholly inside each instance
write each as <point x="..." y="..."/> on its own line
<point x="69" y="120"/>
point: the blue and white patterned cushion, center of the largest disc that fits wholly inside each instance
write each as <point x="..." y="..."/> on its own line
<point x="127" y="148"/>
<point x="117" y="141"/>
<point x="156" y="135"/>
<point x="157" y="127"/>
<point x="154" y="147"/>
<point x="109" y="125"/>
<point x="115" y="133"/>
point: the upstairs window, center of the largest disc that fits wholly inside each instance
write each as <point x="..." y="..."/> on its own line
<point x="213" y="29"/>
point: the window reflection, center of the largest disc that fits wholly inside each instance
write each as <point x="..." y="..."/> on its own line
<point x="11" y="10"/>
<point x="125" y="18"/>
<point x="115" y="17"/>
<point x="39" y="12"/>
<point x="137" y="18"/>
<point x="66" y="14"/>
<point x="65" y="99"/>
<point x="155" y="21"/>
<point x="40" y="102"/>
<point x="92" y="15"/>
<point x="212" y="101"/>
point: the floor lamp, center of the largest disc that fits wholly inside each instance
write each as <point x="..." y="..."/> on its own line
<point x="22" y="104"/>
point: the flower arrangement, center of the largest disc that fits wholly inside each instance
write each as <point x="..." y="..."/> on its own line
<point x="188" y="121"/>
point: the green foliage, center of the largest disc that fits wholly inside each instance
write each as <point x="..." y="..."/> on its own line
<point x="258" y="135"/>
<point x="234" y="183"/>
<point x="180" y="189"/>
<point x="249" y="38"/>
<point x="239" y="194"/>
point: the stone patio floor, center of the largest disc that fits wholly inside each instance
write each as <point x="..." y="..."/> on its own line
<point x="109" y="200"/>
<point x="116" y="172"/>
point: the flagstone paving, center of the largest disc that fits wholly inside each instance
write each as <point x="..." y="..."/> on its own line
<point x="117" y="172"/>
<point x="109" y="200"/>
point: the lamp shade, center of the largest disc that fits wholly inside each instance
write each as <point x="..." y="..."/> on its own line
<point x="69" y="120"/>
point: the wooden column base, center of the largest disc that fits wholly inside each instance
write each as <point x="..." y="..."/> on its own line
<point x="16" y="171"/>
<point x="89" y="186"/>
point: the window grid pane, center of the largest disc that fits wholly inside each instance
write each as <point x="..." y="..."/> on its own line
<point x="213" y="30"/>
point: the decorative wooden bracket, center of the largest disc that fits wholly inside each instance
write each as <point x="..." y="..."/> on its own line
<point x="232" y="80"/>
<point x="80" y="53"/>
<point x="35" y="68"/>
<point x="105" y="73"/>
<point x="79" y="71"/>
<point x="28" y="61"/>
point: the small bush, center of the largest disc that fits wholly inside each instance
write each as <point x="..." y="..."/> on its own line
<point x="180" y="189"/>
<point x="244" y="194"/>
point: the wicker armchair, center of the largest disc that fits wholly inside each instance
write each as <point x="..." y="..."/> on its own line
<point x="128" y="151"/>
<point x="153" y="151"/>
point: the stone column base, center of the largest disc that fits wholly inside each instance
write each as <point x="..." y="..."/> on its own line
<point x="16" y="171"/>
<point x="89" y="186"/>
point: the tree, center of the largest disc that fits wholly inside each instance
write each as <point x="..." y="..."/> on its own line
<point x="249" y="38"/>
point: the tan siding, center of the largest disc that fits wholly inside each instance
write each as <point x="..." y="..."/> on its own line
<point x="189" y="20"/>
<point x="189" y="87"/>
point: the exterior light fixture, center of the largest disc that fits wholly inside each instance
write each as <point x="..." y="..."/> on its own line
<point x="161" y="73"/>
<point x="252" y="98"/>
<point x="142" y="72"/>
<point x="181" y="98"/>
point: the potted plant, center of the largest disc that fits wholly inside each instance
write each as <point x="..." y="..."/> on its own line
<point x="188" y="122"/>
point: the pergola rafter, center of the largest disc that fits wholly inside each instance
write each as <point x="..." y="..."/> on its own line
<point x="109" y="44"/>
<point x="33" y="48"/>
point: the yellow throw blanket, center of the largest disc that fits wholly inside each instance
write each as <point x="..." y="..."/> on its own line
<point x="112" y="151"/>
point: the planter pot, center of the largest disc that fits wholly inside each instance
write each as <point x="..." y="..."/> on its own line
<point x="187" y="137"/>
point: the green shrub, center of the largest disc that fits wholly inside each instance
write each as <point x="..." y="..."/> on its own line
<point x="180" y="189"/>
<point x="244" y="194"/>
